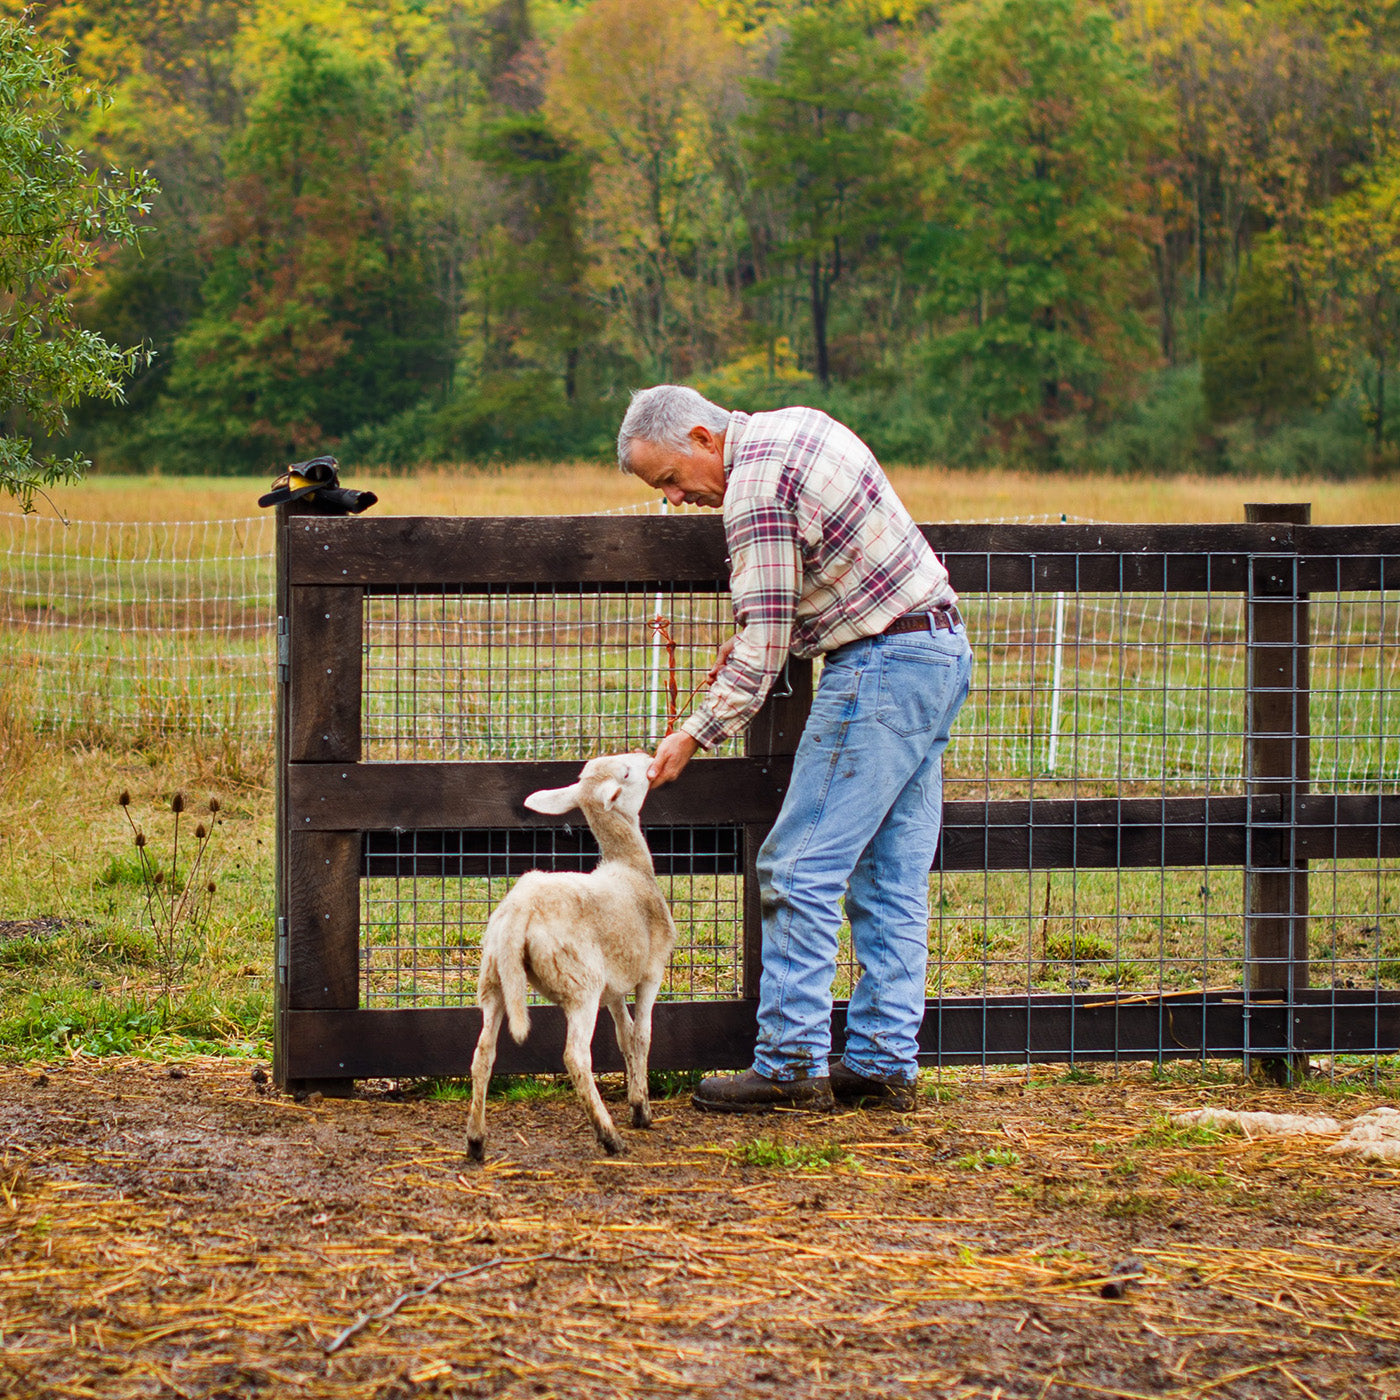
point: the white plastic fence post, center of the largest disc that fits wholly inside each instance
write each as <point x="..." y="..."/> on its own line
<point x="655" y="725"/>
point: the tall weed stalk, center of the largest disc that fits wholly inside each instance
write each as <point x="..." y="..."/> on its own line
<point x="178" y="905"/>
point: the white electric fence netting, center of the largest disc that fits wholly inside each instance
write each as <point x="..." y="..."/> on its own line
<point x="128" y="630"/>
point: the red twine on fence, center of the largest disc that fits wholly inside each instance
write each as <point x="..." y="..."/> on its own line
<point x="661" y="627"/>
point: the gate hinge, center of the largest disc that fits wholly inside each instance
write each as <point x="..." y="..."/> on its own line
<point x="284" y="651"/>
<point x="282" y="958"/>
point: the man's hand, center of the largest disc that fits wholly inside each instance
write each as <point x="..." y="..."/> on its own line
<point x="672" y="754"/>
<point x="721" y="656"/>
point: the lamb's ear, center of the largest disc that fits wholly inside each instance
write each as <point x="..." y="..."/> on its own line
<point x="555" y="801"/>
<point x="610" y="792"/>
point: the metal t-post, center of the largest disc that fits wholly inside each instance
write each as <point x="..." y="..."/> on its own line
<point x="1276" y="764"/>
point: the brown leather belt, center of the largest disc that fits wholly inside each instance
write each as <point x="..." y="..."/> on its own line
<point x="942" y="619"/>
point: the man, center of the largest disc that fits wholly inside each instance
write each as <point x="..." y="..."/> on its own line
<point x="824" y="560"/>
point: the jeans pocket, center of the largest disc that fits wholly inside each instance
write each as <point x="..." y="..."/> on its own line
<point x="914" y="689"/>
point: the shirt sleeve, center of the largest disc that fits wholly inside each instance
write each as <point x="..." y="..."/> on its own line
<point x="765" y="568"/>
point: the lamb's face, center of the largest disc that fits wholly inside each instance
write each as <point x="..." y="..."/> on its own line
<point x="622" y="778"/>
<point x="615" y="783"/>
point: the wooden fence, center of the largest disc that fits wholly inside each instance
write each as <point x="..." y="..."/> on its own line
<point x="341" y="819"/>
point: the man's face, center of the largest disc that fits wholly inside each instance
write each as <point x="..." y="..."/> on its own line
<point x="694" y="478"/>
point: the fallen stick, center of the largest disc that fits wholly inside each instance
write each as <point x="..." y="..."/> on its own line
<point x="389" y="1309"/>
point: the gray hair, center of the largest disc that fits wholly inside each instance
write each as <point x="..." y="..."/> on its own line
<point x="664" y="416"/>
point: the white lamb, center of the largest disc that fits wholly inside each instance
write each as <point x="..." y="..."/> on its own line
<point x="581" y="941"/>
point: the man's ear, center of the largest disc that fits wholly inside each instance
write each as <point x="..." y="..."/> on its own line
<point x="701" y="436"/>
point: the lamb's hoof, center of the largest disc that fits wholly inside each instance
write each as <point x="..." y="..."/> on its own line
<point x="641" y="1115"/>
<point x="476" y="1149"/>
<point x="613" y="1145"/>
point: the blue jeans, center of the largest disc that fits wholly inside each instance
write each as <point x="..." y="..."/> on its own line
<point x="860" y="819"/>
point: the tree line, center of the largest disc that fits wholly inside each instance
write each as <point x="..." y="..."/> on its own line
<point x="1149" y="236"/>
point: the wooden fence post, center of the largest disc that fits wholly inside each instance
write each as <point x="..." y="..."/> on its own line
<point x="1276" y="763"/>
<point x="280" y="1071"/>
<point x="320" y="633"/>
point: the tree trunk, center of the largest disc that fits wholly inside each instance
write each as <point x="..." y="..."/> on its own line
<point x="1050" y="387"/>
<point x="1166" y="296"/>
<point x="819" y="307"/>
<point x="1380" y="401"/>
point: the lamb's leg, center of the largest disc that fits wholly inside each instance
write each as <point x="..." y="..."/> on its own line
<point x="578" y="1060"/>
<point x="641" y="1053"/>
<point x="636" y="1067"/>
<point x="493" y="1009"/>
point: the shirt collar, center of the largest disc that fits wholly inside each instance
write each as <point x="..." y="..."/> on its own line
<point x="732" y="434"/>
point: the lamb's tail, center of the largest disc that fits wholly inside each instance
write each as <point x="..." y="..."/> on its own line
<point x="507" y="940"/>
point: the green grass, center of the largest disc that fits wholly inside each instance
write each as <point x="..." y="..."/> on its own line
<point x="1166" y="1134"/>
<point x="1077" y="1074"/>
<point x="790" y="1156"/>
<point x="1077" y="945"/>
<point x="543" y="1088"/>
<point x="937" y="1092"/>
<point x="673" y="1083"/>
<point x="1190" y="1180"/>
<point x="47" y="1029"/>
<point x="519" y="1088"/>
<point x="88" y="977"/>
<point x="988" y="1159"/>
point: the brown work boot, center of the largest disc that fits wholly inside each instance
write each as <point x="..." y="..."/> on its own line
<point x="865" y="1091"/>
<point x="751" y="1092"/>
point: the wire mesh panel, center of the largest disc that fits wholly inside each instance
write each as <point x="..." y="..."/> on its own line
<point x="428" y="894"/>
<point x="1075" y="695"/>
<point x="1093" y="691"/>
<point x="1354" y="919"/>
<point x="532" y="673"/>
<point x="1355" y="692"/>
<point x="1085" y="931"/>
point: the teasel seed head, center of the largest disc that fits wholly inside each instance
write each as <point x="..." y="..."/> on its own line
<point x="211" y="887"/>
<point x="177" y="803"/>
<point x="140" y="839"/>
<point x="199" y="832"/>
<point x="125" y="799"/>
<point x="160" y="877"/>
<point x="213" y="804"/>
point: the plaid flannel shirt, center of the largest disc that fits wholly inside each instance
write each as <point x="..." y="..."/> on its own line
<point x="821" y="553"/>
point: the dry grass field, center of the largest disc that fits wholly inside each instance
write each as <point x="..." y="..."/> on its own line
<point x="931" y="494"/>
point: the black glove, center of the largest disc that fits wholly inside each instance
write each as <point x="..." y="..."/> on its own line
<point x="317" y="482"/>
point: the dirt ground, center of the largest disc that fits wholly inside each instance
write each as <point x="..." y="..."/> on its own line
<point x="188" y="1231"/>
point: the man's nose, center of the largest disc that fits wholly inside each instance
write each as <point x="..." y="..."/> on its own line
<point x="674" y="495"/>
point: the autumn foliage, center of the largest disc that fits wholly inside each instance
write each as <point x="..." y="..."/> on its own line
<point x="1058" y="231"/>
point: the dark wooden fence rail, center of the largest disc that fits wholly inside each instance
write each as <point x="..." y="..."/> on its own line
<point x="336" y="813"/>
